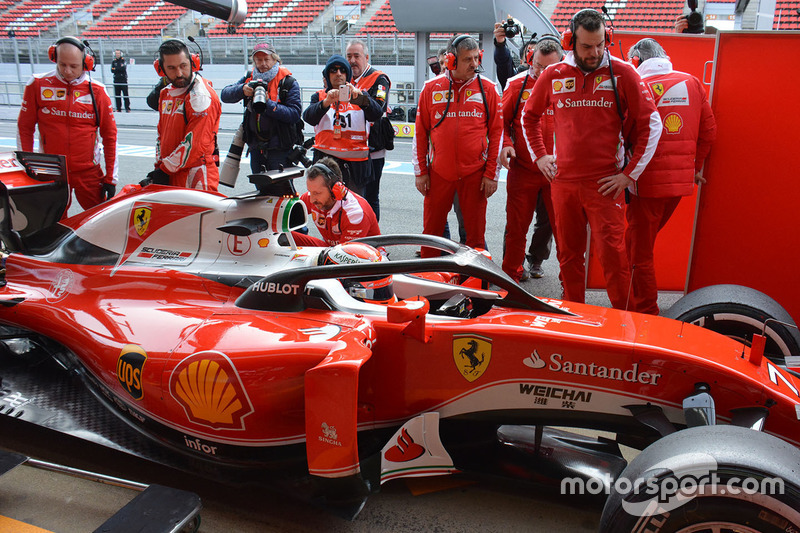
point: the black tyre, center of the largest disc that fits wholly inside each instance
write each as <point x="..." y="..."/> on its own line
<point x="739" y="312"/>
<point x="757" y="484"/>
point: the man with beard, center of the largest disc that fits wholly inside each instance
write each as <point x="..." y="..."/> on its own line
<point x="375" y="84"/>
<point x="596" y="100"/>
<point x="189" y="111"/>
<point x="339" y="214"/>
<point x="457" y="140"/>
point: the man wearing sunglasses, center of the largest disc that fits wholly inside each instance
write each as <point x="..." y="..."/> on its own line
<point x="340" y="114"/>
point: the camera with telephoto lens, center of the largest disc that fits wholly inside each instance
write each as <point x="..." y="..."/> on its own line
<point x="511" y="28"/>
<point x="229" y="169"/>
<point x="259" y="104"/>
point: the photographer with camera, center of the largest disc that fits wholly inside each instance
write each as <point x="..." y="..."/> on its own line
<point x="691" y="23"/>
<point x="503" y="61"/>
<point x="340" y="114"/>
<point x="272" y="105"/>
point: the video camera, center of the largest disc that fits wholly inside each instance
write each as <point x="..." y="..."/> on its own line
<point x="694" y="18"/>
<point x="511" y="28"/>
<point x="259" y="104"/>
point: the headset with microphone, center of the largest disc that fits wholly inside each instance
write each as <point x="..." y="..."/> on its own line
<point x="568" y="37"/>
<point x="87" y="62"/>
<point x="451" y="57"/>
<point x="195" y="60"/>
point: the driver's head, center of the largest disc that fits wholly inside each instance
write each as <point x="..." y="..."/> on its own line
<point x="374" y="290"/>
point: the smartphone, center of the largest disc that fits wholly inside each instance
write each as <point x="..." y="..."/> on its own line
<point x="344" y="93"/>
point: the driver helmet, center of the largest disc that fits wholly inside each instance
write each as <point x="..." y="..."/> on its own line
<point x="374" y="290"/>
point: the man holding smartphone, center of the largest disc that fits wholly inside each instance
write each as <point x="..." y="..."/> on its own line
<point x="340" y="114"/>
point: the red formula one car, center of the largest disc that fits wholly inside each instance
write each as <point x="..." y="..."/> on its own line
<point x="196" y="319"/>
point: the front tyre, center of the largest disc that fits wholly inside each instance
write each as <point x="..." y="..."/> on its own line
<point x="739" y="312"/>
<point x="708" y="479"/>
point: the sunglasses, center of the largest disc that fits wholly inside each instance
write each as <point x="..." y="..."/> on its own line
<point x="338" y="69"/>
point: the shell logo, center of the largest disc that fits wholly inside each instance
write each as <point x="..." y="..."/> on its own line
<point x="209" y="389"/>
<point x="48" y="93"/>
<point x="673" y="123"/>
<point x="263" y="243"/>
<point x="437" y="97"/>
<point x="525" y="94"/>
<point x="557" y="85"/>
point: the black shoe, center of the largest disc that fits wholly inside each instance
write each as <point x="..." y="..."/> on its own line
<point x="536" y="270"/>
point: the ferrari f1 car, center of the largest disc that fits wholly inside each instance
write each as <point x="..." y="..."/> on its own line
<point x="194" y="318"/>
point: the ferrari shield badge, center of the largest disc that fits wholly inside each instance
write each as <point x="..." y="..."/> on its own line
<point x="472" y="355"/>
<point x="141" y="219"/>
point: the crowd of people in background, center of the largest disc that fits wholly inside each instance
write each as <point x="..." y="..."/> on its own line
<point x="589" y="141"/>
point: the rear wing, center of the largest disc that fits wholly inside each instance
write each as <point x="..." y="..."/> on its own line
<point x="34" y="194"/>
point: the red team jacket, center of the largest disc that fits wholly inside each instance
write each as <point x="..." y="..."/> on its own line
<point x="187" y="132"/>
<point x="466" y="141"/>
<point x="589" y="143"/>
<point x="350" y="218"/>
<point x="512" y="133"/>
<point x="689" y="130"/>
<point x="67" y="123"/>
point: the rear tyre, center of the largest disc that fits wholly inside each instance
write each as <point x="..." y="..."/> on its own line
<point x="739" y="312"/>
<point x="708" y="478"/>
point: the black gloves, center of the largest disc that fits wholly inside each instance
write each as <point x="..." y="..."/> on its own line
<point x="107" y="191"/>
<point x="158" y="177"/>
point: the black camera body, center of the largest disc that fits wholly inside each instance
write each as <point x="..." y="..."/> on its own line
<point x="259" y="104"/>
<point x="511" y="28"/>
<point x="695" y="19"/>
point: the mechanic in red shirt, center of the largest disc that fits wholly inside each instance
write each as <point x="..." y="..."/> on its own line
<point x="689" y="131"/>
<point x="457" y="142"/>
<point x="189" y="111"/>
<point x="338" y="213"/>
<point x="74" y="116"/>
<point x="595" y="99"/>
<point x="525" y="180"/>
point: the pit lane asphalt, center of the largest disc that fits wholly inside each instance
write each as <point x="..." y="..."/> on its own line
<point x="65" y="504"/>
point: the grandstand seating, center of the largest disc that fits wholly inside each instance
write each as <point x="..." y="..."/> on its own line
<point x="33" y="17"/>
<point x="642" y="15"/>
<point x="276" y="17"/>
<point x="786" y="15"/>
<point x="382" y="24"/>
<point x="137" y="18"/>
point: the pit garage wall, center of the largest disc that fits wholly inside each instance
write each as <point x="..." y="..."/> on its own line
<point x="747" y="228"/>
<point x="748" y="221"/>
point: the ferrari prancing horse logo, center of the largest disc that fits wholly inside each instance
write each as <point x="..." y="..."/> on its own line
<point x="141" y="219"/>
<point x="472" y="355"/>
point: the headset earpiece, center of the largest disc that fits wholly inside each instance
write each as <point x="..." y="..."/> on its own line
<point x="88" y="58"/>
<point x="334" y="184"/>
<point x="338" y="190"/>
<point x="568" y="37"/>
<point x="636" y="60"/>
